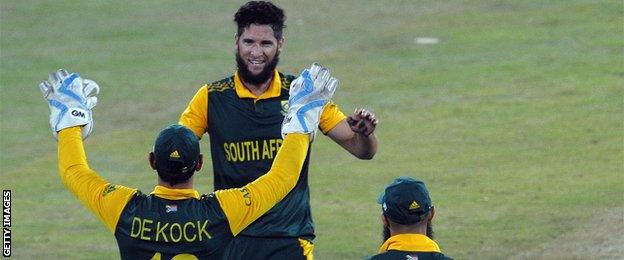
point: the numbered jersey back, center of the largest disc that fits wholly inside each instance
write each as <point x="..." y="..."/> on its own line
<point x="151" y="227"/>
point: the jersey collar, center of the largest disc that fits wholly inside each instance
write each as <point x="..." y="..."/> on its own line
<point x="274" y="89"/>
<point x="175" y="194"/>
<point x="411" y="243"/>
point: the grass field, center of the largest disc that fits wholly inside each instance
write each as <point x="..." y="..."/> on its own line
<point x="514" y="119"/>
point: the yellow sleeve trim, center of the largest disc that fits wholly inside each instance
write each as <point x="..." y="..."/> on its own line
<point x="195" y="116"/>
<point x="308" y="248"/>
<point x="330" y="117"/>
<point x="244" y="205"/>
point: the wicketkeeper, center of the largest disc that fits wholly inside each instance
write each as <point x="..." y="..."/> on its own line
<point x="174" y="220"/>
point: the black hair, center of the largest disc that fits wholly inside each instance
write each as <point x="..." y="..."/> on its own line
<point x="263" y="13"/>
<point x="176" y="173"/>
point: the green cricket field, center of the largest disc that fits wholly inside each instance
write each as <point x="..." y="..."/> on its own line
<point x="511" y="111"/>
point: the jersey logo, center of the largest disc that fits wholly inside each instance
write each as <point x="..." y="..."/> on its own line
<point x="411" y="257"/>
<point x="174" y="154"/>
<point x="109" y="188"/>
<point x="171" y="208"/>
<point x="246" y="196"/>
<point x="414" y="205"/>
<point x="284" y="104"/>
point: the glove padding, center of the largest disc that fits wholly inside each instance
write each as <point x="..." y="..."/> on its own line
<point x="309" y="93"/>
<point x="71" y="99"/>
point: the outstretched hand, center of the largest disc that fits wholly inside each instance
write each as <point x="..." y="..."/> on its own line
<point x="309" y="93"/>
<point x="362" y="122"/>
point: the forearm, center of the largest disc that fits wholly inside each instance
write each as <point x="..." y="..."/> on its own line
<point x="70" y="150"/>
<point x="245" y="205"/>
<point x="363" y="147"/>
<point x="284" y="173"/>
<point x="74" y="169"/>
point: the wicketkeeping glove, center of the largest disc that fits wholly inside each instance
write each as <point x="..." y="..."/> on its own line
<point x="71" y="99"/>
<point x="308" y="95"/>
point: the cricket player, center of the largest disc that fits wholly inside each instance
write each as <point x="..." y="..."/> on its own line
<point x="407" y="213"/>
<point x="174" y="221"/>
<point x="242" y="115"/>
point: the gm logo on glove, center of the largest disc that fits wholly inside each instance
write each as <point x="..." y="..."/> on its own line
<point x="78" y="113"/>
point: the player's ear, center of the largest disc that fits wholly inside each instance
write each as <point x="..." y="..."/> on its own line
<point x="280" y="44"/>
<point x="200" y="162"/>
<point x="384" y="220"/>
<point x="152" y="160"/>
<point x="431" y="213"/>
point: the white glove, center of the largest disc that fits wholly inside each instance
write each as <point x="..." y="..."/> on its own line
<point x="308" y="95"/>
<point x="71" y="99"/>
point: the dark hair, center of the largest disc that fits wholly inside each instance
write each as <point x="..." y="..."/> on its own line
<point x="263" y="13"/>
<point x="175" y="173"/>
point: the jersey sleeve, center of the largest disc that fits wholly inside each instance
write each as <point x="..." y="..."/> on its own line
<point x="195" y="116"/>
<point x="330" y="117"/>
<point x="104" y="199"/>
<point x="244" y="205"/>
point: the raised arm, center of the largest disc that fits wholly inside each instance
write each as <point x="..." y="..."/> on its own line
<point x="308" y="95"/>
<point x="104" y="199"/>
<point x="71" y="99"/>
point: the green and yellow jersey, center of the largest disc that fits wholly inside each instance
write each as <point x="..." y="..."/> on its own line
<point x="409" y="246"/>
<point x="176" y="223"/>
<point x="245" y="134"/>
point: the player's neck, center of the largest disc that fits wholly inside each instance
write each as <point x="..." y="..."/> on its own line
<point x="400" y="229"/>
<point x="184" y="185"/>
<point x="258" y="89"/>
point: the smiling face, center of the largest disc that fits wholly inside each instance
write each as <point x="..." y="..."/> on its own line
<point x="257" y="53"/>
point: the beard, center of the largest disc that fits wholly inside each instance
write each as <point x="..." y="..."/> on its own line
<point x="262" y="77"/>
<point x="430" y="230"/>
<point x="385" y="233"/>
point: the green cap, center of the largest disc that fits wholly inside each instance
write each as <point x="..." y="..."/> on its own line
<point x="176" y="152"/>
<point x="405" y="200"/>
